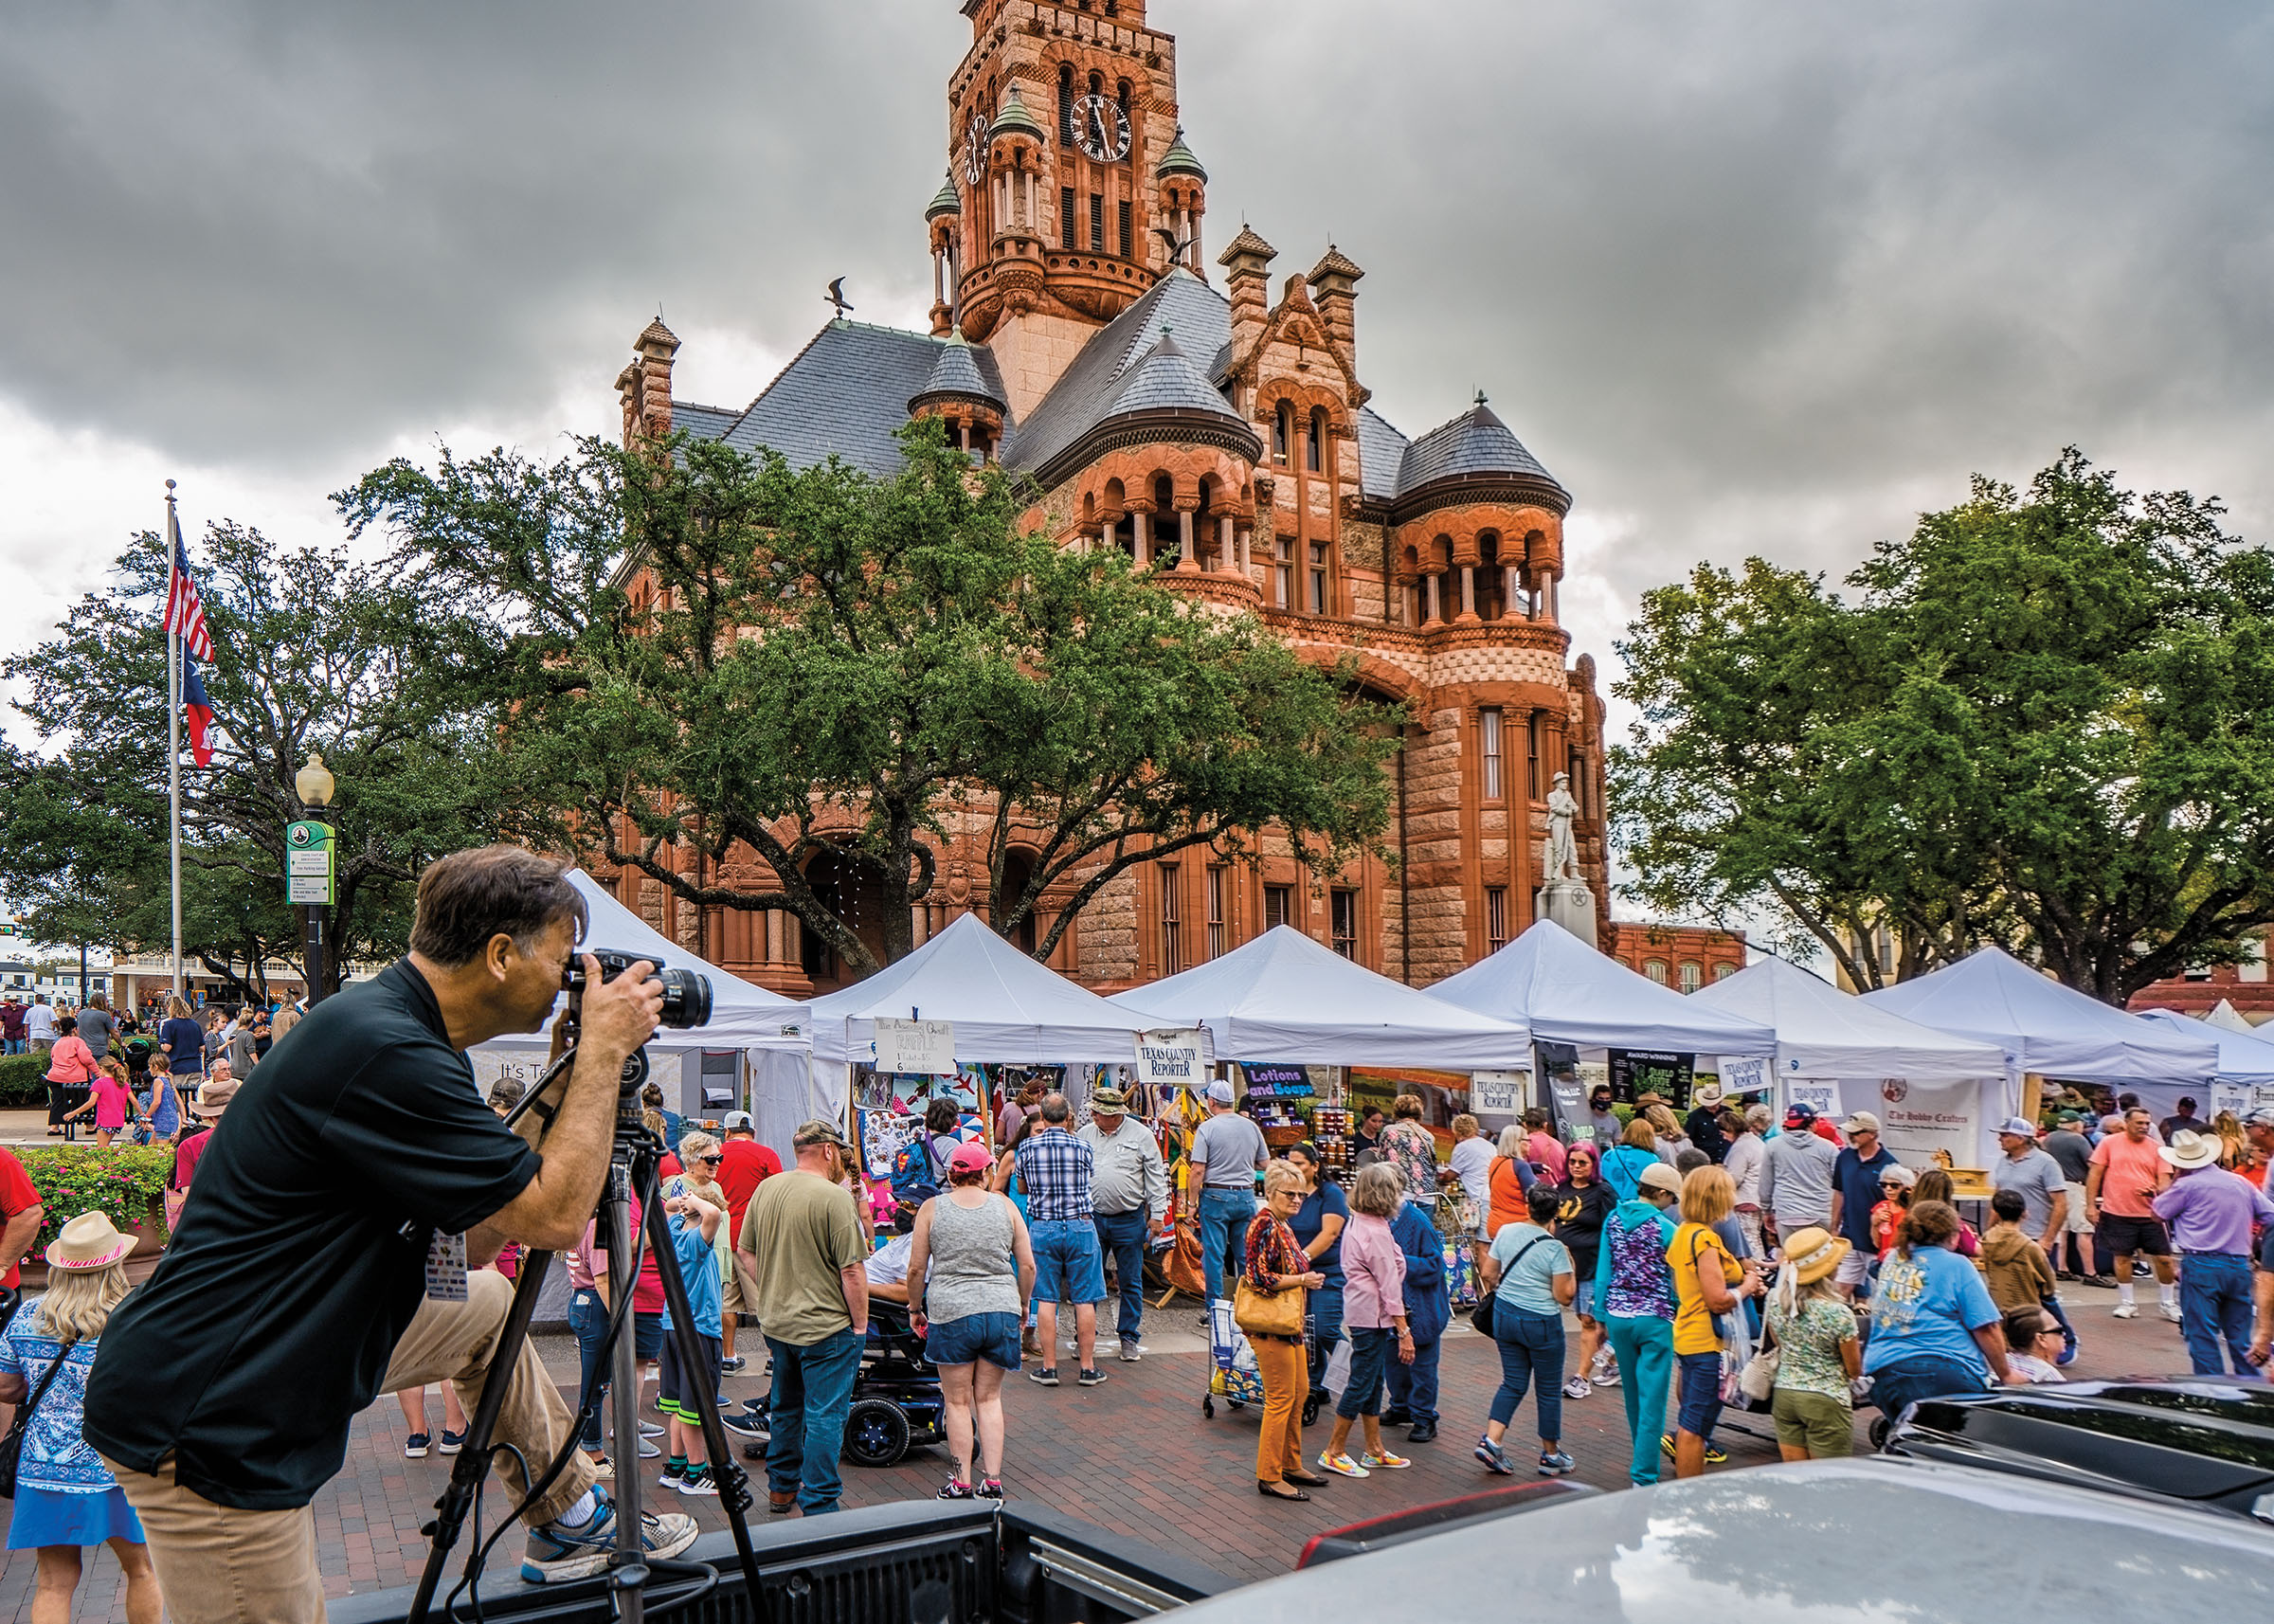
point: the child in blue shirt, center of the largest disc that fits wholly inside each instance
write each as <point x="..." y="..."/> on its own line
<point x="694" y="1236"/>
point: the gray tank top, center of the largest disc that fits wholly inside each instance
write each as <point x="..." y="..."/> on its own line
<point x="973" y="1269"/>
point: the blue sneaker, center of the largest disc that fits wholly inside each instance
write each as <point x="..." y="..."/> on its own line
<point x="1555" y="1463"/>
<point x="559" y="1551"/>
<point x="1494" y="1458"/>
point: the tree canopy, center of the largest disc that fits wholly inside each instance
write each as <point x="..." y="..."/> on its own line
<point x="314" y="653"/>
<point x="2044" y="719"/>
<point x="722" y="668"/>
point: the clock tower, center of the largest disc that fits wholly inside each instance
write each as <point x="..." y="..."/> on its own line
<point x="1069" y="189"/>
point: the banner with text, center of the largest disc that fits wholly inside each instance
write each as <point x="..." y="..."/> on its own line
<point x="919" y="1048"/>
<point x="1173" y="1059"/>
<point x="1918" y="1119"/>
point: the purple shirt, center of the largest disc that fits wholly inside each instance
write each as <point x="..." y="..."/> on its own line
<point x="2212" y="1210"/>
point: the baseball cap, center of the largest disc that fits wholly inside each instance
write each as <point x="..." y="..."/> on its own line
<point x="970" y="1159"/>
<point x="819" y="1131"/>
<point x="2263" y="1117"/>
<point x="1659" y="1176"/>
<point x="735" y="1119"/>
<point x="1800" y="1115"/>
<point x="1861" y="1122"/>
<point x="1220" y="1092"/>
<point x="2018" y="1124"/>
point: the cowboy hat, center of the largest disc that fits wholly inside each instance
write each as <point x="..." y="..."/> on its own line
<point x="88" y="1241"/>
<point x="213" y="1098"/>
<point x="2188" y="1150"/>
<point x="1810" y="1253"/>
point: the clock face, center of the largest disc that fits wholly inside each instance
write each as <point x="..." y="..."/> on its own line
<point x="1101" y="128"/>
<point x="975" y="148"/>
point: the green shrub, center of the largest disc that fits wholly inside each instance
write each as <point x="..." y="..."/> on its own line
<point x="121" y="1182"/>
<point x="22" y="1081"/>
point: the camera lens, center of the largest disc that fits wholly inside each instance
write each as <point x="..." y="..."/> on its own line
<point x="686" y="999"/>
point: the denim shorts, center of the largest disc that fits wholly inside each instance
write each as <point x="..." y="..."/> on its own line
<point x="970" y="1338"/>
<point x="1700" y="1378"/>
<point x="1069" y="1266"/>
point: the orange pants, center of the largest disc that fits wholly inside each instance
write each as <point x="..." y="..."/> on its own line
<point x="1285" y="1371"/>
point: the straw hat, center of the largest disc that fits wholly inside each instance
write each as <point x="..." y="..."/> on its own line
<point x="2187" y="1151"/>
<point x="213" y="1098"/>
<point x="88" y="1241"/>
<point x="1810" y="1253"/>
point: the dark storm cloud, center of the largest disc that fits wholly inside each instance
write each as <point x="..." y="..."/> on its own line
<point x="1763" y="276"/>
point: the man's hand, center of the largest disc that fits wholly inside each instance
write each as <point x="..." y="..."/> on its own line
<point x="618" y="1015"/>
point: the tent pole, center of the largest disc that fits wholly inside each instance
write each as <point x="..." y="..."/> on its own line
<point x="2032" y="1095"/>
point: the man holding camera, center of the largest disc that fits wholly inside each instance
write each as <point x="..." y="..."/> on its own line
<point x="334" y="1253"/>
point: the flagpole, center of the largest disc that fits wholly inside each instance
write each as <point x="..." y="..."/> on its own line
<point x="173" y="740"/>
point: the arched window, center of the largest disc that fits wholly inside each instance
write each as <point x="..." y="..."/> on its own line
<point x="1694" y="975"/>
<point x="1283" y="430"/>
<point x="1315" y="441"/>
<point x="1655" y="969"/>
<point x="1066" y="105"/>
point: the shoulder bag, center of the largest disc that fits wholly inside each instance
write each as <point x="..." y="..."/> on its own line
<point x="1480" y="1317"/>
<point x="12" y="1446"/>
<point x="1279" y="1313"/>
<point x="1757" y="1382"/>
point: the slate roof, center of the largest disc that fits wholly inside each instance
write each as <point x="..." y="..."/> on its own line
<point x="958" y="375"/>
<point x="1199" y="317"/>
<point x="704" y="422"/>
<point x="845" y="394"/>
<point x="1380" y="453"/>
<point x="1476" y="443"/>
<point x="1178" y="160"/>
<point x="945" y="201"/>
<point x="1165" y="380"/>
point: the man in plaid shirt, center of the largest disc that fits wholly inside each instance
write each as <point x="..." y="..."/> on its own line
<point x="1055" y="1170"/>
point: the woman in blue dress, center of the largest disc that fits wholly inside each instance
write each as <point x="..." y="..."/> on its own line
<point x="66" y="1497"/>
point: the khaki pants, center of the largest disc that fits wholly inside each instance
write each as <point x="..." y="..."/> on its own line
<point x="218" y="1563"/>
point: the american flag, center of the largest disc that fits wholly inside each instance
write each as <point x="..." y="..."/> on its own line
<point x="184" y="612"/>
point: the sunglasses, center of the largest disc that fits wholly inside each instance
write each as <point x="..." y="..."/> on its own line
<point x="710" y="1158"/>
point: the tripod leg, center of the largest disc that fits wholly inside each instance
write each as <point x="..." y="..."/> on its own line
<point x="627" y="1573"/>
<point x="733" y="1483"/>
<point x="457" y="1503"/>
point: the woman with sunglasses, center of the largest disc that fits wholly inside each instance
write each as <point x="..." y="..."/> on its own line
<point x="2033" y="1343"/>
<point x="1583" y="1203"/>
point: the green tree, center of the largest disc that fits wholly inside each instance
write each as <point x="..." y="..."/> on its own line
<point x="314" y="653"/>
<point x="834" y="666"/>
<point x="2046" y="719"/>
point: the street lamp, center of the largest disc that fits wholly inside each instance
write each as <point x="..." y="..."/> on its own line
<point x="315" y="785"/>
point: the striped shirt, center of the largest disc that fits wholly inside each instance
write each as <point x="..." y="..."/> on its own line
<point x="1056" y="1168"/>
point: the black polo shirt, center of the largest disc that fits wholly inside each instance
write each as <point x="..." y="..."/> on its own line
<point x="271" y="1318"/>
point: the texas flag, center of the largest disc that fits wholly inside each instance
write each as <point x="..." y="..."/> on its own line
<point x="197" y="712"/>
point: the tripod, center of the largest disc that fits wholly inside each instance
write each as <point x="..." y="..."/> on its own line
<point x="635" y="1161"/>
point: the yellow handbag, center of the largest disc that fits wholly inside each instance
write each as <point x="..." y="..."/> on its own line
<point x="1270" y="1313"/>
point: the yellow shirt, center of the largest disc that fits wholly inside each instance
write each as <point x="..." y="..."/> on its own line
<point x="1691" y="1250"/>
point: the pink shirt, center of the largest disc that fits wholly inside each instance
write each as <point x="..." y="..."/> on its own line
<point x="1544" y="1149"/>
<point x="1373" y="1273"/>
<point x="111" y="1100"/>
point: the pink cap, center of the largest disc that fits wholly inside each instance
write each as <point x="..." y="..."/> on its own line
<point x="970" y="1159"/>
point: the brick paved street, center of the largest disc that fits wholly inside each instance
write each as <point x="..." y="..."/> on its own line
<point x="1134" y="1455"/>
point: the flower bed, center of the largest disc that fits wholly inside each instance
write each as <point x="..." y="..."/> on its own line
<point x="127" y="1183"/>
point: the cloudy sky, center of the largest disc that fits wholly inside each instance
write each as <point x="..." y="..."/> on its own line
<point x="1763" y="276"/>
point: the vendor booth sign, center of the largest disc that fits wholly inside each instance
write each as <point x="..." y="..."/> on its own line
<point x="1172" y="1059"/>
<point x="1917" y="1119"/>
<point x="1821" y="1098"/>
<point x="923" y="1048"/>
<point x="1637" y="1072"/>
<point x="1745" y="1077"/>
<point x="1496" y="1094"/>
<point x="1279" y="1082"/>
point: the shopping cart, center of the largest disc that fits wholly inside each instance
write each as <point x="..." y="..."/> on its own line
<point x="1235" y="1377"/>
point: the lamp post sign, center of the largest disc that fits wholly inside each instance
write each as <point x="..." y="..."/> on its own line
<point x="308" y="871"/>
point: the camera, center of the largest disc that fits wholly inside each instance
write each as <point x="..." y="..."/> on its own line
<point x="686" y="992"/>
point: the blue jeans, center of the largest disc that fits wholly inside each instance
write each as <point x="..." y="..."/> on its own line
<point x="1224" y="1218"/>
<point x="1326" y="1326"/>
<point x="1896" y="1387"/>
<point x="1532" y="1352"/>
<point x="1413" y="1387"/>
<point x="589" y="1319"/>
<point x="1121" y="1235"/>
<point x="2214" y="1308"/>
<point x="813" y="1390"/>
<point x="1645" y="1346"/>
<point x="1372" y="1351"/>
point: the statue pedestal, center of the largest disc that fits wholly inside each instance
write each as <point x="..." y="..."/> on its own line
<point x="1570" y="904"/>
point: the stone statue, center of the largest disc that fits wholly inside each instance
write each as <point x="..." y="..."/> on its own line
<point x="1563" y="851"/>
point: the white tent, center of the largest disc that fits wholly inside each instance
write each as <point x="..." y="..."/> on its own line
<point x="1284" y="997"/>
<point x="1567" y="992"/>
<point x="1822" y="1032"/>
<point x="2244" y="1057"/>
<point x="1005" y="1006"/>
<point x="2227" y="1019"/>
<point x="2048" y="1028"/>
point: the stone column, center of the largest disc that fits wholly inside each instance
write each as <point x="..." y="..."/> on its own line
<point x="1223" y="544"/>
<point x="1508" y="599"/>
<point x="939" y="278"/>
<point x="1142" y="534"/>
<point x="1112" y="541"/>
<point x="1468" y="591"/>
<point x="1188" y="555"/>
<point x="1247" y="541"/>
<point x="1437" y="607"/>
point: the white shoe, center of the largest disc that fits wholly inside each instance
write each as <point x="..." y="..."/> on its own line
<point x="1578" y="1387"/>
<point x="2127" y="1311"/>
<point x="1604" y="1376"/>
<point x="2171" y="1311"/>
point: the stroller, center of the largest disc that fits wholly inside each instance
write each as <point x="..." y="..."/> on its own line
<point x="1235" y="1380"/>
<point x="896" y="1399"/>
